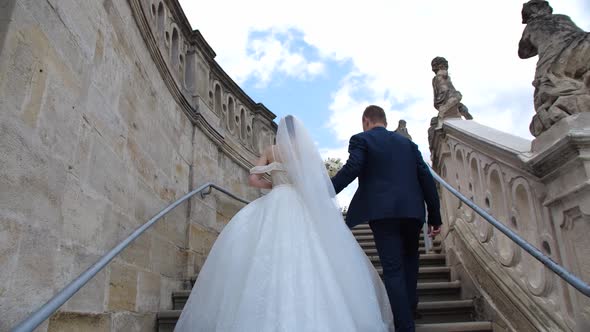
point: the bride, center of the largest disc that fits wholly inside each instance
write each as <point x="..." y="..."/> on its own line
<point x="287" y="261"/>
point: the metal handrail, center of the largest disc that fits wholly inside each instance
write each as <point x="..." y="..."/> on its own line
<point x="566" y="275"/>
<point x="38" y="317"/>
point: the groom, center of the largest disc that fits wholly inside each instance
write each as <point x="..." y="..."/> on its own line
<point x="394" y="184"/>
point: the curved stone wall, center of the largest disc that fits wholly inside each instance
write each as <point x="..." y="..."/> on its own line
<point x="109" y="111"/>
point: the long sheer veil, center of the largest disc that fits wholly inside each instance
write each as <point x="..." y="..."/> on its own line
<point x="306" y="169"/>
<point x="302" y="160"/>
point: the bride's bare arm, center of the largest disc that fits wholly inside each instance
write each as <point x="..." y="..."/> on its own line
<point x="257" y="180"/>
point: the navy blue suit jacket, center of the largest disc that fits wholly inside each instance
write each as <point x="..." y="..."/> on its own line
<point x="394" y="181"/>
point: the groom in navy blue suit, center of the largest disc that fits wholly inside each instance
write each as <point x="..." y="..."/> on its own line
<point x="394" y="184"/>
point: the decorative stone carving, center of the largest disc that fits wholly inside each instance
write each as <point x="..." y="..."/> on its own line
<point x="431" y="129"/>
<point x="562" y="77"/>
<point x="541" y="192"/>
<point x="403" y="130"/>
<point x="447" y="100"/>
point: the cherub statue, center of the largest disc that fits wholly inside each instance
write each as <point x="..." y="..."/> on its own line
<point x="403" y="130"/>
<point x="562" y="77"/>
<point x="447" y="100"/>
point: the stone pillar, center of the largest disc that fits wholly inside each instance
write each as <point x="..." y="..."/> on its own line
<point x="561" y="158"/>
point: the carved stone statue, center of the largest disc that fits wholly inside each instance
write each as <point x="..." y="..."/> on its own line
<point x="402" y="130"/>
<point x="562" y="77"/>
<point x="447" y="100"/>
<point x="431" y="129"/>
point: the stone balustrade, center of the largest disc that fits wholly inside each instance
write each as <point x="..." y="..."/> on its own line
<point x="187" y="62"/>
<point x="541" y="190"/>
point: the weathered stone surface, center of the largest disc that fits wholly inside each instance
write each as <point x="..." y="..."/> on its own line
<point x="29" y="175"/>
<point x="201" y="239"/>
<point x="167" y="286"/>
<point x="90" y="298"/>
<point x="138" y="253"/>
<point x="10" y="235"/>
<point x="562" y="77"/>
<point x="122" y="288"/>
<point x="108" y="176"/>
<point x="98" y="132"/>
<point x="148" y="292"/>
<point x="75" y="322"/>
<point x="38" y="267"/>
<point x="226" y="209"/>
<point x="82" y="214"/>
<point x="203" y="211"/>
<point x="431" y="131"/>
<point x="195" y="262"/>
<point x="131" y="322"/>
<point x="166" y="258"/>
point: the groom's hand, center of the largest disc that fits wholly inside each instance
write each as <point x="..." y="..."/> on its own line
<point x="433" y="231"/>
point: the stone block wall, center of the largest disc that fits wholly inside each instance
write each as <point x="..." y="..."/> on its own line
<point x="104" y="121"/>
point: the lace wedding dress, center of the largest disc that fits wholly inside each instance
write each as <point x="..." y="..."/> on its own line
<point x="284" y="263"/>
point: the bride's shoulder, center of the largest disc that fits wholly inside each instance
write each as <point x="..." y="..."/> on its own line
<point x="269" y="153"/>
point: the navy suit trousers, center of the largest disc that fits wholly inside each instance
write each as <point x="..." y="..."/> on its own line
<point x="397" y="242"/>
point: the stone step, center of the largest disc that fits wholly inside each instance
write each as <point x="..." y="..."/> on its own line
<point x="439" y="291"/>
<point x="362" y="238"/>
<point x="456" y="327"/>
<point x="366" y="231"/>
<point x="452" y="315"/>
<point x="167" y="320"/>
<point x="430" y="273"/>
<point x="425" y="274"/>
<point x="427" y="291"/>
<point x="361" y="226"/>
<point x="425" y="260"/>
<point x="179" y="299"/>
<point x="371" y="244"/>
<point x="446" y="311"/>
<point x="421" y="250"/>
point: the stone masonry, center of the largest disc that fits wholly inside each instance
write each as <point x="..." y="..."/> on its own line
<point x="109" y="111"/>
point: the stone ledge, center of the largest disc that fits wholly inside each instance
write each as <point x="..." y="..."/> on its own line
<point x="183" y="97"/>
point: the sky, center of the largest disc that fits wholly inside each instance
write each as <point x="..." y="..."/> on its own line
<point x="325" y="61"/>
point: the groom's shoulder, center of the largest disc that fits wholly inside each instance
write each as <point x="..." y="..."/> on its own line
<point x="358" y="136"/>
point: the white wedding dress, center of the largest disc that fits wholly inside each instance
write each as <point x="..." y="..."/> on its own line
<point x="275" y="268"/>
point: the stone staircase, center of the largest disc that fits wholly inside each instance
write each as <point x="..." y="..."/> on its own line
<point x="441" y="306"/>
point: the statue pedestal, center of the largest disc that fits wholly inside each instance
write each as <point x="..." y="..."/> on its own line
<point x="561" y="159"/>
<point x="575" y="126"/>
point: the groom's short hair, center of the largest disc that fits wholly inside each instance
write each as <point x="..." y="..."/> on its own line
<point x="375" y="114"/>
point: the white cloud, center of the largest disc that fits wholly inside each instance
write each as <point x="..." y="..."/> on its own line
<point x="390" y="45"/>
<point x="271" y="54"/>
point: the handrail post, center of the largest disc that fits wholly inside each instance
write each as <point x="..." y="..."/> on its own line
<point x="205" y="193"/>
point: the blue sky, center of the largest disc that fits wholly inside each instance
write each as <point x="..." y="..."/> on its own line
<point x="325" y="61"/>
<point x="308" y="98"/>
